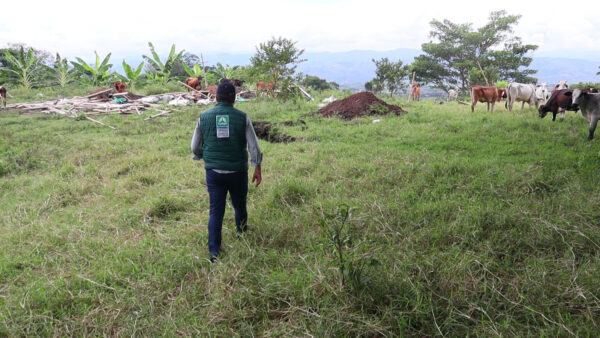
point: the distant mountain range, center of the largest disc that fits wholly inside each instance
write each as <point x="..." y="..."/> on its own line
<point x="353" y="68"/>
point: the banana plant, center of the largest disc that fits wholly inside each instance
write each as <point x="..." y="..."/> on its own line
<point x="62" y="71"/>
<point x="132" y="75"/>
<point x="194" y="71"/>
<point x="163" y="70"/>
<point x="25" y="66"/>
<point x="99" y="73"/>
<point x="223" y="71"/>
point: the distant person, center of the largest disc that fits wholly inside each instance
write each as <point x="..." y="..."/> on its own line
<point x="223" y="137"/>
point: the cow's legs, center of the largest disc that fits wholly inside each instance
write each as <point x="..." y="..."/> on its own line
<point x="593" y="127"/>
<point x="473" y="106"/>
<point x="522" y="106"/>
<point x="562" y="113"/>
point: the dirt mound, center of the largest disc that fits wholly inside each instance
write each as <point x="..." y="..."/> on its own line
<point x="269" y="132"/>
<point x="359" y="104"/>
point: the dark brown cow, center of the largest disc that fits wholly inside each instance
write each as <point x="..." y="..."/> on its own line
<point x="484" y="94"/>
<point x="3" y="96"/>
<point x="120" y="86"/>
<point x="558" y="102"/>
<point x="194" y="82"/>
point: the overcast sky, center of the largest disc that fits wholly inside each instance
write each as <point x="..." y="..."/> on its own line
<point x="78" y="28"/>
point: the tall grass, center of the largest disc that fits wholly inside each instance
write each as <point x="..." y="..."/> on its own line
<point x="462" y="224"/>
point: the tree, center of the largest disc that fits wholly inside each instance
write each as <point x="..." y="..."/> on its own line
<point x="317" y="83"/>
<point x="24" y="67"/>
<point x="162" y="70"/>
<point x="460" y="53"/>
<point x="97" y="74"/>
<point x="388" y="75"/>
<point x="277" y="60"/>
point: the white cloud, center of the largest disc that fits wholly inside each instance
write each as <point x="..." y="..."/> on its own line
<point x="125" y="27"/>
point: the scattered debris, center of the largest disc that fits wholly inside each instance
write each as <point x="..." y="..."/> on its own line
<point x="359" y="104"/>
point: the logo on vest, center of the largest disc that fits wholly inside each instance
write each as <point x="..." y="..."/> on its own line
<point x="222" y="126"/>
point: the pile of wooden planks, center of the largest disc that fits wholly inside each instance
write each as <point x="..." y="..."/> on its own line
<point x="87" y="105"/>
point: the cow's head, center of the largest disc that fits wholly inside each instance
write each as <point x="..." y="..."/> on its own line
<point x="562" y="84"/>
<point x="543" y="111"/>
<point x="577" y="96"/>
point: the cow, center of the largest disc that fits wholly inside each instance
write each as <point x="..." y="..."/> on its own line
<point x="558" y="102"/>
<point x="262" y="85"/>
<point x="520" y="92"/>
<point x="501" y="94"/>
<point x="415" y="91"/>
<point x="541" y="93"/>
<point x="589" y="104"/>
<point x="194" y="82"/>
<point x="562" y="84"/>
<point x="120" y="87"/>
<point x="483" y="94"/>
<point x="3" y="96"/>
<point x="452" y="95"/>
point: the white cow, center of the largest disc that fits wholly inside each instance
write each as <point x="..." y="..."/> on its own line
<point x="562" y="84"/>
<point x="541" y="93"/>
<point x="452" y="95"/>
<point x="520" y="92"/>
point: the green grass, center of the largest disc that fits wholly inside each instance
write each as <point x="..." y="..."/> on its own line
<point x="461" y="224"/>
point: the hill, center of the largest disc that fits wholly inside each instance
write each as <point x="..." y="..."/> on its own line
<point x="353" y="68"/>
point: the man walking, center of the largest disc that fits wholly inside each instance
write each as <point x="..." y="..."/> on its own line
<point x="223" y="137"/>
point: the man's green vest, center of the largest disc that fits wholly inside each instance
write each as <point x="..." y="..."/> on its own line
<point x="224" y="144"/>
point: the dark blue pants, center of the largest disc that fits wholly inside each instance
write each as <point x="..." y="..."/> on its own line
<point x="218" y="185"/>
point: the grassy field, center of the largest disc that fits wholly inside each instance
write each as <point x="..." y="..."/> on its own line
<point x="438" y="222"/>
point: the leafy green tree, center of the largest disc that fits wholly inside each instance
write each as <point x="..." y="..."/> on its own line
<point x="162" y="70"/>
<point x="389" y="75"/>
<point x="23" y="68"/>
<point x="460" y="53"/>
<point x="317" y="83"/>
<point x="97" y="74"/>
<point x="276" y="61"/>
<point x="373" y="86"/>
<point x="132" y="76"/>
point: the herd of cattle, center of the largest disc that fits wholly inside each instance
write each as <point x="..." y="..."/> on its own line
<point x="560" y="99"/>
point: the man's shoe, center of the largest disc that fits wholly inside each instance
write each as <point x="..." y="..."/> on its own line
<point x="213" y="258"/>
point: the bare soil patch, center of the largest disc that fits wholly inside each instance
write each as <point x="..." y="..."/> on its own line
<point x="359" y="104"/>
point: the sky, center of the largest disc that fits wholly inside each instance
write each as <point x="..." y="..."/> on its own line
<point x="124" y="28"/>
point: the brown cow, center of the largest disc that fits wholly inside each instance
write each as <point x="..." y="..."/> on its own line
<point x="120" y="87"/>
<point x="501" y="94"/>
<point x="194" y="82"/>
<point x="269" y="86"/>
<point x="3" y="96"/>
<point x="483" y="94"/>
<point x="415" y="91"/>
